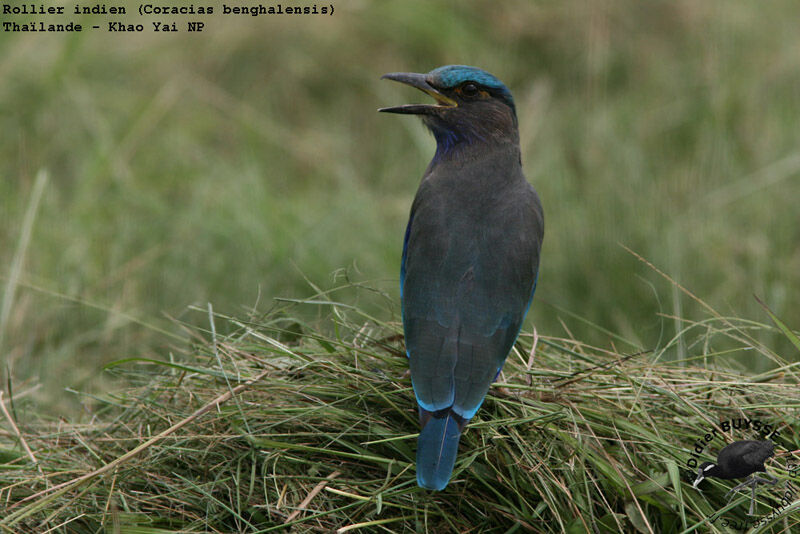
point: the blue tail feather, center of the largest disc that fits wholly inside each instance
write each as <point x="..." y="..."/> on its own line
<point x="437" y="447"/>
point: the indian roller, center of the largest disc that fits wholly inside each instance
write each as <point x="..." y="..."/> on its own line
<point x="470" y="255"/>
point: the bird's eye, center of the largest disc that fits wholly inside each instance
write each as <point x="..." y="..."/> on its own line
<point x="469" y="89"/>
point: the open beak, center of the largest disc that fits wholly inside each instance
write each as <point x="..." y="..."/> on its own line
<point x="419" y="81"/>
<point x="698" y="480"/>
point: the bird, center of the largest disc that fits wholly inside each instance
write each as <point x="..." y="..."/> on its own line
<point x="470" y="258"/>
<point x="738" y="460"/>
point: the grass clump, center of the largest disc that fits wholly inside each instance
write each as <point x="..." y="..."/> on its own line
<point x="283" y="425"/>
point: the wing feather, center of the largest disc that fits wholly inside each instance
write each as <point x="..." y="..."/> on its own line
<point x="468" y="274"/>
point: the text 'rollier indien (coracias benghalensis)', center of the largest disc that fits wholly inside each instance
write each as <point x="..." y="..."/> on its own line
<point x="470" y="256"/>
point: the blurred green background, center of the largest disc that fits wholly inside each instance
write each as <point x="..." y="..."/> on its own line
<point x="229" y="166"/>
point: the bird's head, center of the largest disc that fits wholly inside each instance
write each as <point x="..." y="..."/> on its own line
<point x="471" y="105"/>
<point x="702" y="472"/>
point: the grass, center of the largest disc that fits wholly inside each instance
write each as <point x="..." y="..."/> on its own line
<point x="145" y="176"/>
<point x="279" y="424"/>
<point x="228" y="167"/>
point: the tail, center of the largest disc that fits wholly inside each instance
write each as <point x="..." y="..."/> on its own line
<point x="437" y="447"/>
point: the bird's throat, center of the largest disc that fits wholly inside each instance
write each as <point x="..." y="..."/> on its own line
<point x="453" y="141"/>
